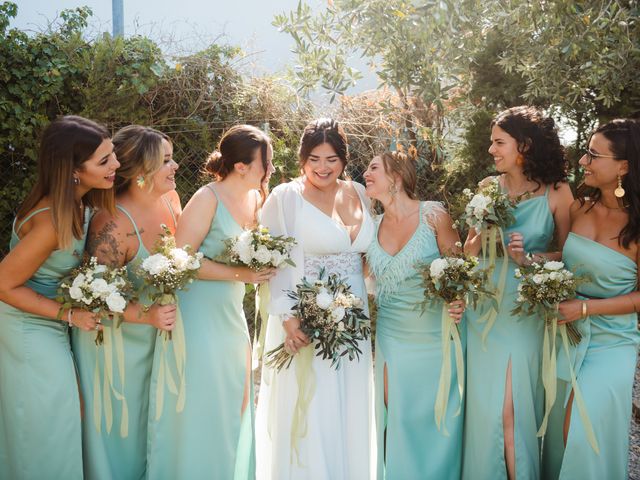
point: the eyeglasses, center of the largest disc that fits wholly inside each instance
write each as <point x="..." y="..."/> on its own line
<point x="591" y="155"/>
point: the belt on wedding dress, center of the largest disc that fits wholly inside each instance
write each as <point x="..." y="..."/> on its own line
<point x="346" y="263"/>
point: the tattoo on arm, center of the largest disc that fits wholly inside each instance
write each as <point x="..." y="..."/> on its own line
<point x="104" y="245"/>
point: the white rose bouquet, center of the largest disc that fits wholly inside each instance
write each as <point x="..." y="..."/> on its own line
<point x="490" y="211"/>
<point x="100" y="289"/>
<point x="106" y="292"/>
<point x="331" y="316"/>
<point x="542" y="287"/>
<point x="258" y="249"/>
<point x="167" y="270"/>
<point x="455" y="277"/>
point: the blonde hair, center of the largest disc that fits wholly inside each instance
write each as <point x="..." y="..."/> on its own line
<point x="65" y="145"/>
<point x="139" y="151"/>
<point x="400" y="164"/>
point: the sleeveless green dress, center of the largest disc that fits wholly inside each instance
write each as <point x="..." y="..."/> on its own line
<point x="39" y="403"/>
<point x="515" y="338"/>
<point x="604" y="363"/>
<point x="108" y="455"/>
<point x="409" y="343"/>
<point x="210" y="438"/>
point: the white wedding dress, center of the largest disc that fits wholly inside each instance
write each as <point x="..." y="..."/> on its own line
<point x="337" y="441"/>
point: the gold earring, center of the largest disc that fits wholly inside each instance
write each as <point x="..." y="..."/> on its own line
<point x="619" y="192"/>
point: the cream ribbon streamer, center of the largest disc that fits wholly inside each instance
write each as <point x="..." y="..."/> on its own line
<point x="450" y="334"/>
<point x="306" y="379"/>
<point x="261" y="321"/>
<point x="549" y="370"/>
<point x="489" y="239"/>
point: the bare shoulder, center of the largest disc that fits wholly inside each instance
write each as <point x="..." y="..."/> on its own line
<point x="174" y="199"/>
<point x="203" y="202"/>
<point x="40" y="228"/>
<point x="561" y="190"/>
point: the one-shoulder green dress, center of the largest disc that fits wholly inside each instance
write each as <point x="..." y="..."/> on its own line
<point x="40" y="433"/>
<point x="108" y="455"/>
<point x="604" y="363"/>
<point x="516" y="338"/>
<point x="409" y="344"/>
<point x="210" y="438"/>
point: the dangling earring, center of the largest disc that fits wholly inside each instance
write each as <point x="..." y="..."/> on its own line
<point x="619" y="192"/>
<point x="76" y="181"/>
<point x="393" y="189"/>
<point x="519" y="160"/>
<point x="140" y="181"/>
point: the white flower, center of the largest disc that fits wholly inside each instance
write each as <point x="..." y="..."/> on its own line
<point x="337" y="314"/>
<point x="517" y="273"/>
<point x="100" y="268"/>
<point x="357" y="302"/>
<point x="520" y="299"/>
<point x="553" y="265"/>
<point x="555" y="276"/>
<point x="458" y="262"/>
<point x="79" y="280"/>
<point x="263" y="255"/>
<point x="242" y="247"/>
<point x="75" y="293"/>
<point x="466" y="192"/>
<point x="276" y="258"/>
<point x="180" y="259"/>
<point x="324" y="299"/>
<point x="341" y="326"/>
<point x="537" y="278"/>
<point x="156" y="264"/>
<point x="437" y="267"/>
<point x="116" y="302"/>
<point x="479" y="202"/>
<point x="100" y="288"/>
<point x="567" y="274"/>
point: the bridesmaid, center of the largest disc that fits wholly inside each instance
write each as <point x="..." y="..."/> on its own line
<point x="603" y="243"/>
<point x="504" y="404"/>
<point x="409" y="341"/>
<point x="145" y="199"/>
<point x="213" y="436"/>
<point x="39" y="402"/>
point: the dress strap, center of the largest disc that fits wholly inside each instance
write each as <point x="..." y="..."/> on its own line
<point x="27" y="218"/>
<point x="210" y="187"/>
<point x="173" y="216"/>
<point x="135" y="227"/>
<point x="546" y="190"/>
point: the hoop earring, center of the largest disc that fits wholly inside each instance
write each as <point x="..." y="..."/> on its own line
<point x="619" y="192"/>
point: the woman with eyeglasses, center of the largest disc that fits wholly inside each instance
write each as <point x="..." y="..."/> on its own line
<point x="604" y="243"/>
<point x="504" y="404"/>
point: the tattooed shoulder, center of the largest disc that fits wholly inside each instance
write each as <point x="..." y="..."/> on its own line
<point x="104" y="245"/>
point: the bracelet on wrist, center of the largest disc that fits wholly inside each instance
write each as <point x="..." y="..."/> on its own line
<point x="585" y="310"/>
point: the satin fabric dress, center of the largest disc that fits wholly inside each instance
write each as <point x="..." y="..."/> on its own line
<point x="337" y="442"/>
<point x="513" y="338"/>
<point x="40" y="433"/>
<point x="409" y="345"/>
<point x="108" y="454"/>
<point x="210" y="438"/>
<point x="604" y="363"/>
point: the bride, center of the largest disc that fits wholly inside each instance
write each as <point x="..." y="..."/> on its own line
<point x="316" y="423"/>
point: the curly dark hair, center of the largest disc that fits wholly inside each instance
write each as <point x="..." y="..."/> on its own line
<point x="623" y="135"/>
<point x="544" y="158"/>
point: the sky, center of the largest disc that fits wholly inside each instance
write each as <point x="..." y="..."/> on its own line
<point x="187" y="26"/>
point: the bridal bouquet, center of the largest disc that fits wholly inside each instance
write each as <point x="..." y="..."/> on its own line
<point x="455" y="277"/>
<point x="106" y="292"/>
<point x="167" y="270"/>
<point x="331" y="316"/>
<point x="490" y="211"/>
<point x="542" y="287"/>
<point x="99" y="289"/>
<point x="258" y="249"/>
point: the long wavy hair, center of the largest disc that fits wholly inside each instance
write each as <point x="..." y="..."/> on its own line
<point x="623" y="135"/>
<point x="65" y="145"/>
<point x="545" y="162"/>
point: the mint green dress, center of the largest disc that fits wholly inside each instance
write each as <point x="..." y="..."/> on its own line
<point x="108" y="455"/>
<point x="604" y="363"/>
<point x="515" y="338"/>
<point x="210" y="438"/>
<point x="409" y="344"/>
<point x="39" y="403"/>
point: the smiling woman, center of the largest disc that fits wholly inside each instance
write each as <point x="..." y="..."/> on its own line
<point x="39" y="401"/>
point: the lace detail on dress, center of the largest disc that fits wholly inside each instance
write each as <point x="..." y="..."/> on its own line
<point x="343" y="264"/>
<point x="390" y="271"/>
